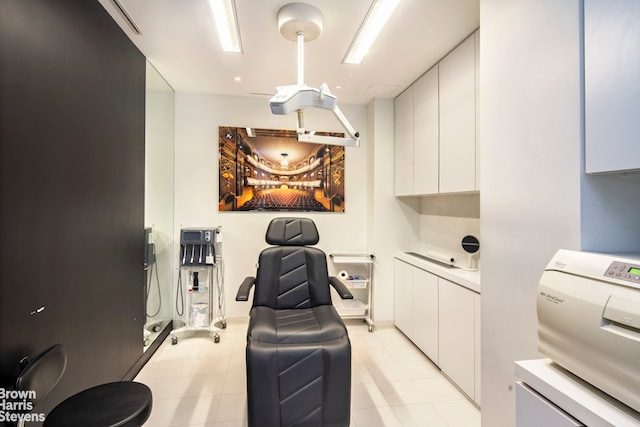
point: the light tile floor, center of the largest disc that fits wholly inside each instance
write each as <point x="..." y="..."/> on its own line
<point x="198" y="383"/>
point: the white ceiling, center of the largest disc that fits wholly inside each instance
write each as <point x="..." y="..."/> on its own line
<point x="180" y="41"/>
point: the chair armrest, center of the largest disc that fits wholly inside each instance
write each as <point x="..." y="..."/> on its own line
<point x="342" y="289"/>
<point x="245" y="287"/>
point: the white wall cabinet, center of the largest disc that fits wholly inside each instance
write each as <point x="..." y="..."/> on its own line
<point x="435" y="136"/>
<point x="477" y="55"/>
<point x="426" y="134"/>
<point x="458" y="119"/>
<point x="403" y="134"/>
<point x="612" y="87"/>
<point x="443" y="320"/>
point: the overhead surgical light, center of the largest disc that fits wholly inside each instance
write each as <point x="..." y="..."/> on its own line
<point x="224" y="16"/>
<point x="375" y="20"/>
<point x="302" y="22"/>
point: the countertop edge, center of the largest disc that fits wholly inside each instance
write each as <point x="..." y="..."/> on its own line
<point x="464" y="278"/>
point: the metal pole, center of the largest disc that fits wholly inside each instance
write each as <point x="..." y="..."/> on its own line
<point x="300" y="58"/>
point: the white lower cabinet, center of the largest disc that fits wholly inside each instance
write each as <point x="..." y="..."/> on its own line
<point x="425" y="313"/>
<point x="416" y="307"/>
<point x="403" y="297"/>
<point x="477" y="352"/>
<point x="442" y="319"/>
<point x="534" y="410"/>
<point x="457" y="334"/>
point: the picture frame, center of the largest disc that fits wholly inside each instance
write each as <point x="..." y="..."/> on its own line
<point x="268" y="170"/>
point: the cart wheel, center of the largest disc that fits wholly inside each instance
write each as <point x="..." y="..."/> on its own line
<point x="223" y="324"/>
<point x="370" y="328"/>
<point x="174" y="340"/>
<point x="216" y="338"/>
<point x="156" y="328"/>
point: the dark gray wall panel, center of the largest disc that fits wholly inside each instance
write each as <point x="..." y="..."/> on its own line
<point x="72" y="89"/>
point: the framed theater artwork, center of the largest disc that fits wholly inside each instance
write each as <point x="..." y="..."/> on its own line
<point x="270" y="170"/>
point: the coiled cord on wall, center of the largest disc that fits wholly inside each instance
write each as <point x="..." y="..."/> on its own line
<point x="179" y="296"/>
<point x="146" y="303"/>
<point x="220" y="280"/>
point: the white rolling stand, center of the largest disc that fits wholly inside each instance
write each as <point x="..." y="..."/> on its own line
<point x="200" y="289"/>
<point x="200" y="311"/>
<point x="355" y="269"/>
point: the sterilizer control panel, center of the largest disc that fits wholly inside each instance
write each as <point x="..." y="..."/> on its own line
<point x="624" y="271"/>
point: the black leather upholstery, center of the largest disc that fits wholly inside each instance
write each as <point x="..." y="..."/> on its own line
<point x="298" y="349"/>
<point x="292" y="231"/>
<point x="117" y="404"/>
<point x="292" y="277"/>
<point x="295" y="326"/>
<point x="42" y="373"/>
<point x="299" y="384"/>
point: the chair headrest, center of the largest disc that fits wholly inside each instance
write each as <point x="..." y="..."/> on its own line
<point x="292" y="232"/>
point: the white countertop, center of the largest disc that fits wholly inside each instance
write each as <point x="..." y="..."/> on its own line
<point x="578" y="398"/>
<point x="468" y="279"/>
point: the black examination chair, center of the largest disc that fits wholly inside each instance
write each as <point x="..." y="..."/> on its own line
<point x="298" y="350"/>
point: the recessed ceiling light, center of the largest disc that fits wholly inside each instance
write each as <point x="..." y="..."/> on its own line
<point x="224" y="16"/>
<point x="376" y="18"/>
<point x="237" y="79"/>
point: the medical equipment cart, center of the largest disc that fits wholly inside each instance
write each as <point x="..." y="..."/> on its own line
<point x="355" y="270"/>
<point x="200" y="283"/>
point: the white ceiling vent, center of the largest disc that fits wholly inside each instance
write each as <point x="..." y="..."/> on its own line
<point x="127" y="17"/>
<point x="382" y="90"/>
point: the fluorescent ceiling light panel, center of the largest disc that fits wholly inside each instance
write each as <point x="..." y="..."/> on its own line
<point x="377" y="17"/>
<point x="224" y="16"/>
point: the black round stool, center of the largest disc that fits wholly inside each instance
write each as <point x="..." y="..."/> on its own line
<point x="117" y="404"/>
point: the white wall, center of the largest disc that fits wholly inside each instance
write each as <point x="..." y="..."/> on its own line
<point x="444" y="220"/>
<point x="535" y="198"/>
<point x="392" y="221"/>
<point x="611" y="213"/>
<point x="530" y="134"/>
<point x="198" y="117"/>
<point x="158" y="195"/>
